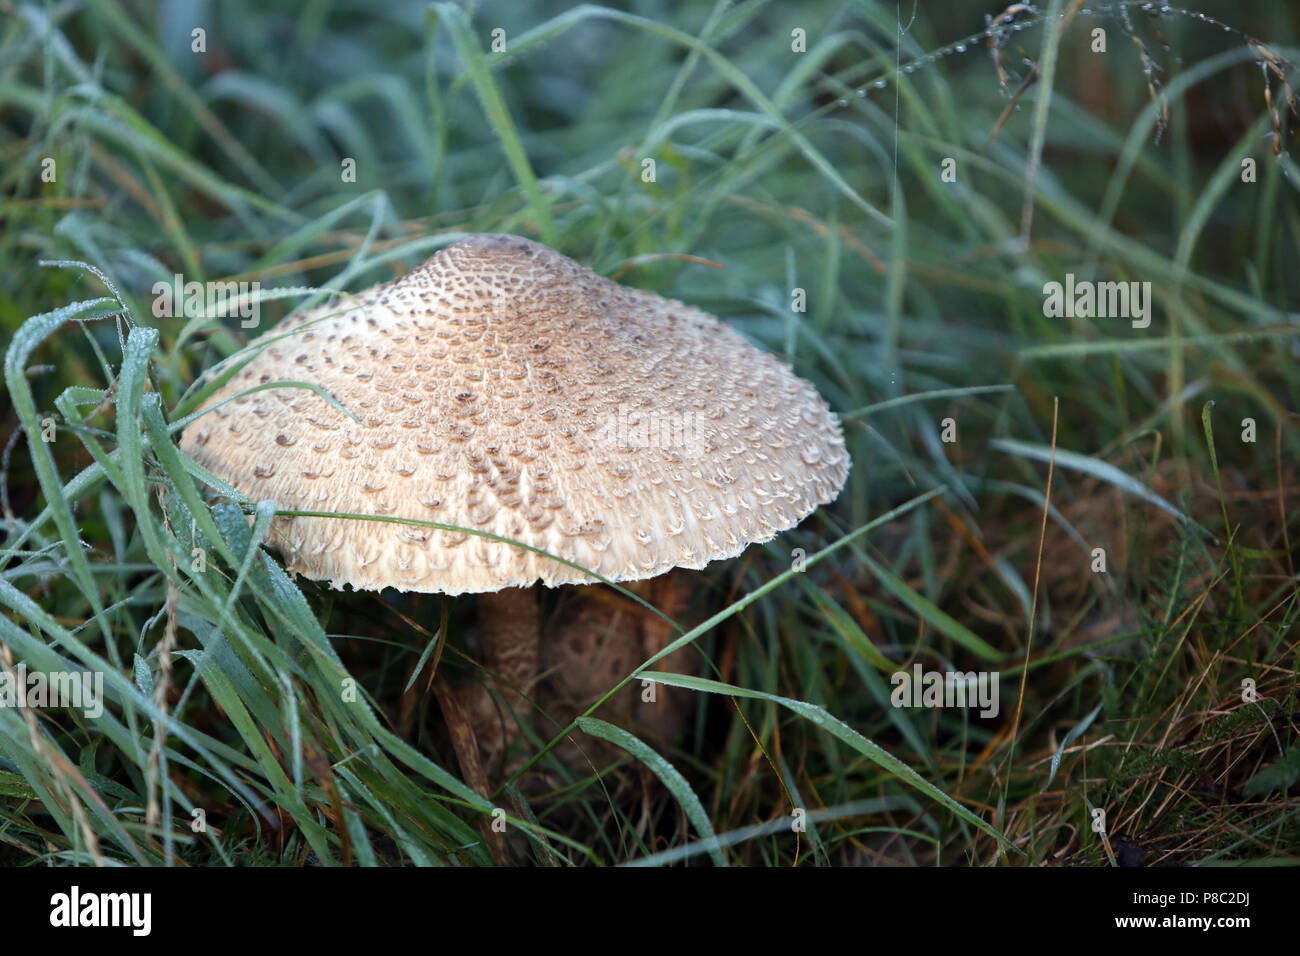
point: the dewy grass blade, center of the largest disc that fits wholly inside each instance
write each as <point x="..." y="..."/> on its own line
<point x="29" y="335"/>
<point x="837" y="728"/>
<point x="665" y="771"/>
<point x="940" y="620"/>
<point x="1098" y="469"/>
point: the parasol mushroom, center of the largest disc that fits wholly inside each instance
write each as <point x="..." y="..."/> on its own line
<point x="505" y="388"/>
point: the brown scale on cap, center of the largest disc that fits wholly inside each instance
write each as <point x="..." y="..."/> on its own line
<point x="503" y="387"/>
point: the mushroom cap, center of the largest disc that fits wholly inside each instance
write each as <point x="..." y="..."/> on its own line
<point x="503" y="387"/>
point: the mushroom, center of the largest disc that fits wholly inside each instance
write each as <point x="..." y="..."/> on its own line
<point x="503" y="387"/>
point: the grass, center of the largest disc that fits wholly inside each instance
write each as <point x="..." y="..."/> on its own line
<point x="255" y="718"/>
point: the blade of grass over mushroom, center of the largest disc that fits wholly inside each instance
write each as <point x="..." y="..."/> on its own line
<point x="225" y="369"/>
<point x="180" y="423"/>
<point x="488" y="535"/>
<point x="837" y="728"/>
<point x="263" y="512"/>
<point x="1098" y="469"/>
<point x="665" y="771"/>
<point x="139" y="345"/>
<point x="370" y="724"/>
<point x="201" y="322"/>
<point x="168" y="455"/>
<point x="420" y="763"/>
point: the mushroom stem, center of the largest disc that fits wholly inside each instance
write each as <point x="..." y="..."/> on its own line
<point x="509" y="625"/>
<point x="670" y="593"/>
